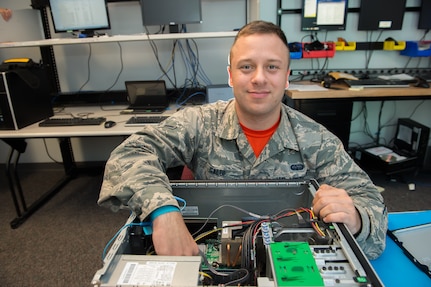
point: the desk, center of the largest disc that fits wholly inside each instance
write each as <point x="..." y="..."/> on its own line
<point x="333" y="107"/>
<point x="17" y="140"/>
<point x="393" y="267"/>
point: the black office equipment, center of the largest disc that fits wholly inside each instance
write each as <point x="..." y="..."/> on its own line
<point x="411" y="138"/>
<point x="381" y="14"/>
<point x="79" y="16"/>
<point x="425" y="15"/>
<point x="144" y="120"/>
<point x="146" y="96"/>
<point x="172" y="13"/>
<point x="110" y="124"/>
<point x="324" y="15"/>
<point x="377" y="83"/>
<point x="65" y="122"/>
<point x="24" y="96"/>
<point x="405" y="156"/>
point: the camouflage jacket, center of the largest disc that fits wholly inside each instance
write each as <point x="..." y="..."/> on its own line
<point x="209" y="140"/>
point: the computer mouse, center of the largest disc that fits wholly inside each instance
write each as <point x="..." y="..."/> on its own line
<point x="109" y="124"/>
<point x="421" y="83"/>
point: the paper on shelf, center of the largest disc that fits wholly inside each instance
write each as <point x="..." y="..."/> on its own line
<point x="386" y="154"/>
<point x="402" y="77"/>
<point x="306" y="87"/>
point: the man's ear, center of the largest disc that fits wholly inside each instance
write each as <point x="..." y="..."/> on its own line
<point x="287" y="80"/>
<point x="229" y="80"/>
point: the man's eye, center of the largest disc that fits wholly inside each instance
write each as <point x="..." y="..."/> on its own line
<point x="245" y="67"/>
<point x="273" y="67"/>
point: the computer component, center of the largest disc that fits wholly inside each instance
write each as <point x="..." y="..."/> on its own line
<point x="172" y="13"/>
<point x="24" y="97"/>
<point x="411" y="138"/>
<point x="64" y="122"/>
<point x="219" y="93"/>
<point x="425" y="15"/>
<point x="381" y="14"/>
<point x="79" y="16"/>
<point x="110" y="124"/>
<point x="141" y="270"/>
<point x="147" y="96"/>
<point x="249" y="233"/>
<point x="144" y="120"/>
<point x="414" y="243"/>
<point x="407" y="153"/>
<point x="324" y="15"/>
<point x="377" y="83"/>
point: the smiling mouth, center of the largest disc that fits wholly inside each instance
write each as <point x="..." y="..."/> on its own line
<point x="258" y="94"/>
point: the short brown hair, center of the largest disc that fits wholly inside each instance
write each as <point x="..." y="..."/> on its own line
<point x="261" y="27"/>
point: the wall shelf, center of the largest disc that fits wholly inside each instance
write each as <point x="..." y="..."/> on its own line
<point x="117" y="38"/>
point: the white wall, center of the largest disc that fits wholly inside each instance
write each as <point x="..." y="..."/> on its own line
<point x="218" y="15"/>
<point x="417" y="110"/>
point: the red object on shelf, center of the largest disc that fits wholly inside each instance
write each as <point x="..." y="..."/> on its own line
<point x="328" y="52"/>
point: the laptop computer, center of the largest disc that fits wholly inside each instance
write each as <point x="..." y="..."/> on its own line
<point x="414" y="243"/>
<point x="146" y="97"/>
<point x="219" y="93"/>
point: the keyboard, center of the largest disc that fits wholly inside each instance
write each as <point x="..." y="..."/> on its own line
<point x="377" y="83"/>
<point x="144" y="120"/>
<point x="66" y="122"/>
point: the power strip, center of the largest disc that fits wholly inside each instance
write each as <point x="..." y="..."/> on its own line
<point x="392" y="71"/>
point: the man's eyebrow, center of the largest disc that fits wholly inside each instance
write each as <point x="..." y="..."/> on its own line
<point x="247" y="60"/>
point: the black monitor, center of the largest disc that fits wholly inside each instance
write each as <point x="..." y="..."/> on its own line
<point x="381" y="15"/>
<point x="324" y="15"/>
<point x="425" y="15"/>
<point x="171" y="12"/>
<point x="85" y="16"/>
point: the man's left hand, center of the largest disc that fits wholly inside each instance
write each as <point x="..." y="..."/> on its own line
<point x="334" y="205"/>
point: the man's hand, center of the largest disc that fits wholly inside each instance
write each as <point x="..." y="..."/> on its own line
<point x="171" y="236"/>
<point x="335" y="205"/>
<point x="6" y="13"/>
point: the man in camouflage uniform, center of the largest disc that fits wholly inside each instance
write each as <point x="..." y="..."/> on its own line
<point x="216" y="142"/>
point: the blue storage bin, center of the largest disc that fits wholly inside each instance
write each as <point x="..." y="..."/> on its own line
<point x="417" y="49"/>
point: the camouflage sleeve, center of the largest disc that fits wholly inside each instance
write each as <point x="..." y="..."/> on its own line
<point x="135" y="173"/>
<point x="335" y="167"/>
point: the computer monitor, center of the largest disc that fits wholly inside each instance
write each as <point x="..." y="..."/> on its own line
<point x="172" y="13"/>
<point x="324" y="15"/>
<point x="79" y="15"/>
<point x="425" y="15"/>
<point x="381" y="15"/>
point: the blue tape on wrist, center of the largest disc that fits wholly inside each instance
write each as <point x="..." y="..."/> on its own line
<point x="163" y="210"/>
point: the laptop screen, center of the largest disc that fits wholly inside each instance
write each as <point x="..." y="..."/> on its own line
<point x="147" y="95"/>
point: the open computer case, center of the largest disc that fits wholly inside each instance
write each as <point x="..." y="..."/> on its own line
<point x="250" y="233"/>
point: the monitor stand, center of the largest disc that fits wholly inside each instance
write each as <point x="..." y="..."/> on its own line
<point x="174" y="28"/>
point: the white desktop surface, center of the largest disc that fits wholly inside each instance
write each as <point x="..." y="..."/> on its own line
<point x="111" y="113"/>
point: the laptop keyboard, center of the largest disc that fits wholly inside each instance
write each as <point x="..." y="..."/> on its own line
<point x="144" y="120"/>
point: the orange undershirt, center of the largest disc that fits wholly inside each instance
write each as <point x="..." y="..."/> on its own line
<point x="259" y="139"/>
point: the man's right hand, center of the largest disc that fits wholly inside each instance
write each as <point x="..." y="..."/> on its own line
<point x="171" y="236"/>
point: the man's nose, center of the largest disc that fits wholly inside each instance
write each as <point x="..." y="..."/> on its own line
<point x="259" y="75"/>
